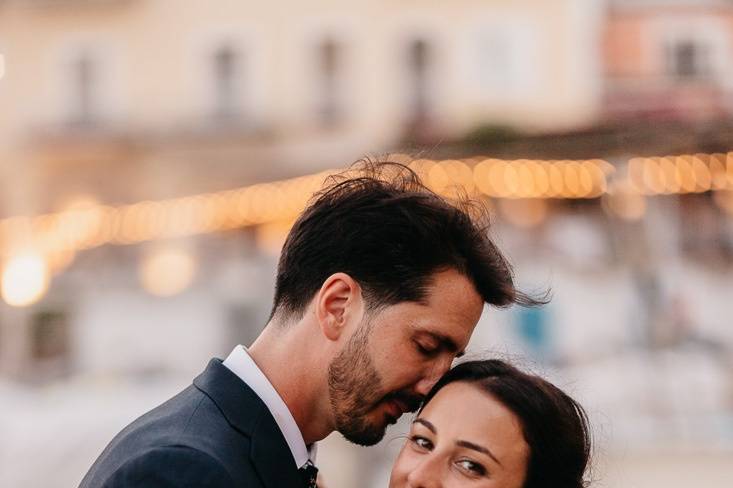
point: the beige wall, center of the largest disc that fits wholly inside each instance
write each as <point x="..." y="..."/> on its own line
<point x="154" y="88"/>
<point x="634" y="39"/>
<point x="155" y="55"/>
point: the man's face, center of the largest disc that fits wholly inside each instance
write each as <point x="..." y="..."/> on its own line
<point x="397" y="354"/>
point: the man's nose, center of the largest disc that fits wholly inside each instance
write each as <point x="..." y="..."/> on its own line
<point x="424" y="386"/>
<point x="432" y="376"/>
<point x="426" y="474"/>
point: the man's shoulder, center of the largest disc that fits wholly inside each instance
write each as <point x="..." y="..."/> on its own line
<point x="169" y="466"/>
<point x="173" y="417"/>
<point x="190" y="418"/>
<point x="186" y="428"/>
<point x="217" y="420"/>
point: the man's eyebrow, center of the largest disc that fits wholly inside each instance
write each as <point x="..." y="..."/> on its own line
<point x="427" y="424"/>
<point x="476" y="447"/>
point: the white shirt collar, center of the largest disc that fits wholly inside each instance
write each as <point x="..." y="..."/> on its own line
<point x="241" y="363"/>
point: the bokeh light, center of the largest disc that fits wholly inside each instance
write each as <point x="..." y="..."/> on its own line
<point x="25" y="279"/>
<point x="167" y="270"/>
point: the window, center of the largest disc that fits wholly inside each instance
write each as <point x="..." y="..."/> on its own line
<point x="89" y="77"/>
<point x="688" y="60"/>
<point x="49" y="336"/>
<point x="328" y="96"/>
<point x="226" y="76"/>
<point x="418" y="63"/>
<point x="84" y="90"/>
<point x="508" y="60"/>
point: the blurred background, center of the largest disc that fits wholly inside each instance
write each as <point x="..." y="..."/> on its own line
<point x="153" y="154"/>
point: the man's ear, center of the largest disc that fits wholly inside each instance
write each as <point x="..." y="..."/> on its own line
<point x="338" y="301"/>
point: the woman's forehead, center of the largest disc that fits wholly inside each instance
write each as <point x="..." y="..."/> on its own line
<point x="464" y="411"/>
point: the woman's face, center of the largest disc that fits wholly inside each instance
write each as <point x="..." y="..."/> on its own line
<point x="463" y="438"/>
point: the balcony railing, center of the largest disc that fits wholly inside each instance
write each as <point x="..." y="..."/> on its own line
<point x="666" y="100"/>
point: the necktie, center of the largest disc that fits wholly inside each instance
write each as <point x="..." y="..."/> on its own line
<point x="309" y="473"/>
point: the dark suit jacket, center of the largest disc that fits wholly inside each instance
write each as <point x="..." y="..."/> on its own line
<point x="215" y="433"/>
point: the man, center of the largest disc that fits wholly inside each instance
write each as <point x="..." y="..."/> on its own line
<point x="379" y="286"/>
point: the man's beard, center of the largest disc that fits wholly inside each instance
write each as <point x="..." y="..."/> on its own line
<point x="355" y="389"/>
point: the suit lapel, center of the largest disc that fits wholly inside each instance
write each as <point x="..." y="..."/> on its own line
<point x="245" y="412"/>
<point x="236" y="400"/>
<point x="271" y="455"/>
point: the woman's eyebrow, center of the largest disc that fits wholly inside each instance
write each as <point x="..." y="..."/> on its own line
<point x="476" y="447"/>
<point x="460" y="443"/>
<point x="427" y="424"/>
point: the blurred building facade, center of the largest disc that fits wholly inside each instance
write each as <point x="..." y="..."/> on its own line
<point x="124" y="88"/>
<point x="669" y="60"/>
<point x="122" y="101"/>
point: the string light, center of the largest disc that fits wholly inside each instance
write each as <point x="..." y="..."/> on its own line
<point x="541" y="179"/>
<point x="25" y="279"/>
<point x="58" y="236"/>
<point x="688" y="173"/>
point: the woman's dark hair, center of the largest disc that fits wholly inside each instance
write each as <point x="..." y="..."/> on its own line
<point x="381" y="225"/>
<point x="554" y="425"/>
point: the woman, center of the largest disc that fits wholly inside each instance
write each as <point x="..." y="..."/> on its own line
<point x="486" y="424"/>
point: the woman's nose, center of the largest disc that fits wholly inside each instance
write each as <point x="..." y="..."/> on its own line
<point x="426" y="474"/>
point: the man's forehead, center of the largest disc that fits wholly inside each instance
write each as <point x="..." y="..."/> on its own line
<point x="454" y="303"/>
<point x="450" y="324"/>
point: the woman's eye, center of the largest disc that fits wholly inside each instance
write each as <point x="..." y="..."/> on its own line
<point x="471" y="467"/>
<point x="421" y="442"/>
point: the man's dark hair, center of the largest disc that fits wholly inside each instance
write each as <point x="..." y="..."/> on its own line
<point x="554" y="425"/>
<point x="379" y="223"/>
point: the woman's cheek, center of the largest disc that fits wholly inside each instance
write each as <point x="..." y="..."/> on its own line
<point x="405" y="463"/>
